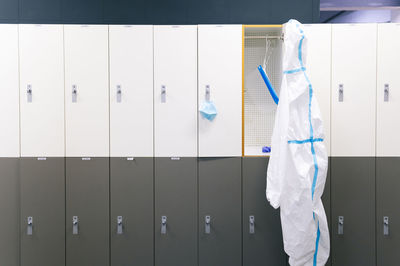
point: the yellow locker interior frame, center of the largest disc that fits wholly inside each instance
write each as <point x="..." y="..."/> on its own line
<point x="261" y="45"/>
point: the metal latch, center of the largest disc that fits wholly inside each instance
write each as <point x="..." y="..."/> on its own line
<point x="119" y="93"/>
<point x="163" y="225"/>
<point x="386" y="93"/>
<point x="341" y="92"/>
<point x="385" y="225"/>
<point x="163" y="94"/>
<point x="119" y="225"/>
<point x="207" y="224"/>
<point x="30" y="225"/>
<point x="75" y="225"/>
<point x="208" y="93"/>
<point x="251" y="224"/>
<point x="74" y="93"/>
<point x="29" y="93"/>
<point x="340" y="225"/>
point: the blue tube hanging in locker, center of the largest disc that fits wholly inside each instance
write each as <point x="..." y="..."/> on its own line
<point x="269" y="85"/>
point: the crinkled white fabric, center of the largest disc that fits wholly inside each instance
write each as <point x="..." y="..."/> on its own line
<point x="298" y="164"/>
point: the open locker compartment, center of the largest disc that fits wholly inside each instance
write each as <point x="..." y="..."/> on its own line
<point x="262" y="45"/>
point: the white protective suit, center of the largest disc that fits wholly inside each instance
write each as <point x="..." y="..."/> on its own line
<point x="298" y="164"/>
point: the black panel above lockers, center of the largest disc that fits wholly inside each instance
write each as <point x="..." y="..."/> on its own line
<point x="8" y="11"/>
<point x="40" y="11"/>
<point x="158" y="11"/>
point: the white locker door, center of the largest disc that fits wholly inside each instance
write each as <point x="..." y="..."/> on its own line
<point x="175" y="91"/>
<point x="220" y="81"/>
<point x="318" y="65"/>
<point x="42" y="90"/>
<point x="388" y="108"/>
<point x="353" y="73"/>
<point x="9" y="100"/>
<point x="131" y="91"/>
<point x="86" y="90"/>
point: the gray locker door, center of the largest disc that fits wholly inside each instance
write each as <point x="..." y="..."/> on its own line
<point x="132" y="198"/>
<point x="9" y="218"/>
<point x="87" y="183"/>
<point x="326" y="200"/>
<point x="176" y="198"/>
<point x="42" y="198"/>
<point x="353" y="198"/>
<point x="220" y="199"/>
<point x="388" y="198"/>
<point x="265" y="246"/>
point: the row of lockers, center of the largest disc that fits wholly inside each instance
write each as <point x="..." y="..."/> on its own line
<point x="353" y="71"/>
<point x="119" y="205"/>
<point x="96" y="90"/>
<point x="88" y="90"/>
<point x="145" y="211"/>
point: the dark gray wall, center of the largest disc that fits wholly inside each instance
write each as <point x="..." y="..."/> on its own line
<point x="158" y="11"/>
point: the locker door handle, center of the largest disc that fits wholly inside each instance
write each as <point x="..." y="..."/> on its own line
<point x="207" y="219"/>
<point x="75" y="225"/>
<point x="163" y="94"/>
<point x="29" y="93"/>
<point x="385" y="225"/>
<point x="30" y="225"/>
<point x="251" y="224"/>
<point x="208" y="93"/>
<point x="386" y="93"/>
<point x="340" y="225"/>
<point x="119" y="93"/>
<point x="119" y="225"/>
<point x="74" y="93"/>
<point x="163" y="225"/>
<point x="341" y="92"/>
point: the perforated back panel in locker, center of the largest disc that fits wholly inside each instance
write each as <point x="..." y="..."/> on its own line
<point x="262" y="46"/>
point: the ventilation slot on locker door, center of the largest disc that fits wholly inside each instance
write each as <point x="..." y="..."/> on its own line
<point x="262" y="46"/>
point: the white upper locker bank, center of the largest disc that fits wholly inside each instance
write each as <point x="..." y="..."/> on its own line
<point x="175" y="91"/>
<point x="131" y="91"/>
<point x="353" y="89"/>
<point x="318" y="63"/>
<point x="42" y="90"/>
<point x="9" y="100"/>
<point x="86" y="90"/>
<point x="388" y="90"/>
<point x="220" y="82"/>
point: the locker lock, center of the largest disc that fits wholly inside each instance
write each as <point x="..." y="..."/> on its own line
<point x="340" y="225"/>
<point x="74" y="93"/>
<point x="119" y="225"/>
<point x="75" y="224"/>
<point x="385" y="225"/>
<point x="341" y="92"/>
<point x="119" y="93"/>
<point x="29" y="93"/>
<point x="163" y="94"/>
<point x="30" y="225"/>
<point x="163" y="225"/>
<point x="208" y="93"/>
<point x="207" y="219"/>
<point x="251" y="224"/>
<point x="386" y="93"/>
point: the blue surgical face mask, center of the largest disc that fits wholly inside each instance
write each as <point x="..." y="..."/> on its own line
<point x="208" y="110"/>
